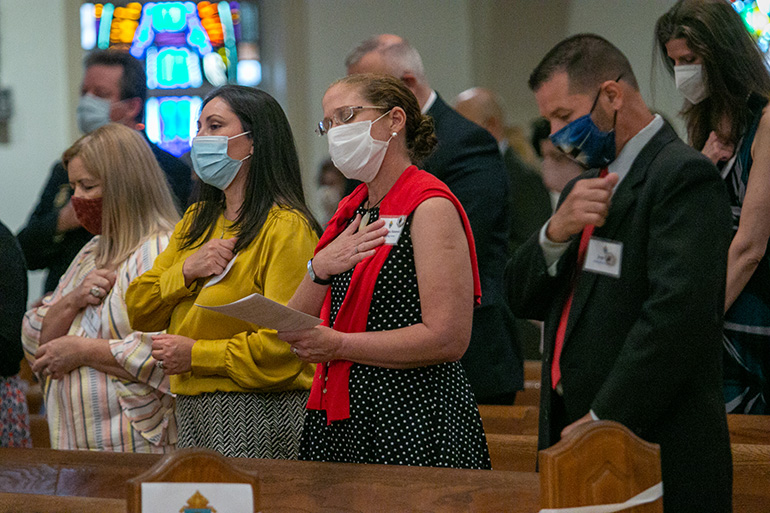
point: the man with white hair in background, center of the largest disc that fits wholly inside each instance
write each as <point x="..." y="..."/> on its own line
<point x="468" y="160"/>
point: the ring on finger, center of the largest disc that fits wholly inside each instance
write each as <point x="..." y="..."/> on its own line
<point x="294" y="350"/>
<point x="96" y="292"/>
<point x="159" y="364"/>
<point x="356" y="251"/>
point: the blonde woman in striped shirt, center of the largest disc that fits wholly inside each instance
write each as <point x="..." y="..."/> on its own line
<point x="102" y="388"/>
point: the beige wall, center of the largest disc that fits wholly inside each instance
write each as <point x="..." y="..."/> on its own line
<point x="509" y="39"/>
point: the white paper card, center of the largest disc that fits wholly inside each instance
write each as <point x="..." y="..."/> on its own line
<point x="395" y="226"/>
<point x="216" y="279"/>
<point x="197" y="497"/>
<point x="604" y="257"/>
<point x="257" y="309"/>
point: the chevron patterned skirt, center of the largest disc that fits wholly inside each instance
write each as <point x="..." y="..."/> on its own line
<point x="243" y="425"/>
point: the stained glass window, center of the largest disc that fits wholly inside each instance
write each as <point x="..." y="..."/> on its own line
<point x="755" y="16"/>
<point x="187" y="49"/>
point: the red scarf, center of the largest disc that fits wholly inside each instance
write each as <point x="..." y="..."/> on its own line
<point x="330" y="384"/>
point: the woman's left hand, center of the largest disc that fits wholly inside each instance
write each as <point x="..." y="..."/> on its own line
<point x="59" y="356"/>
<point x="316" y="345"/>
<point x="173" y="353"/>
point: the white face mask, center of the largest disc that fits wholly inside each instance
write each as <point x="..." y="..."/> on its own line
<point x="93" y="112"/>
<point x="691" y="81"/>
<point x="355" y="152"/>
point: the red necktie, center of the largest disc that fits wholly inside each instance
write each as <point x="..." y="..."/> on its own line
<point x="588" y="230"/>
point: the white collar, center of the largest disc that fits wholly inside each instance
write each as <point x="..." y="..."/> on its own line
<point x="430" y="102"/>
<point x="622" y="164"/>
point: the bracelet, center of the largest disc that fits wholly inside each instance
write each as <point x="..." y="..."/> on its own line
<point x="314" y="276"/>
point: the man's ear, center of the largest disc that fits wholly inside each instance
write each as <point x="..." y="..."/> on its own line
<point x="615" y="93"/>
<point x="133" y="107"/>
<point x="409" y="80"/>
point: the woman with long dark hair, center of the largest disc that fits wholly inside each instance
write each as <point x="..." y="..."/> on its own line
<point x="723" y="75"/>
<point x="239" y="389"/>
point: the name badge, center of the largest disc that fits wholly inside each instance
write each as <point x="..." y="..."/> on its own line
<point x="604" y="257"/>
<point x="395" y="226"/>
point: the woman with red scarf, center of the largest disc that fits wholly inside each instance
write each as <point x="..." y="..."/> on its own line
<point x="394" y="278"/>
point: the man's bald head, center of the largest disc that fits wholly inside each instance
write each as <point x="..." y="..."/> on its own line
<point x="483" y="107"/>
<point x="391" y="55"/>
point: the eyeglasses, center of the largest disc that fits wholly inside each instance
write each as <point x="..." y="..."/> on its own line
<point x="340" y="116"/>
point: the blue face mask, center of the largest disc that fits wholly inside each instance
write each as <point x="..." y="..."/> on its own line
<point x="211" y="162"/>
<point x="582" y="141"/>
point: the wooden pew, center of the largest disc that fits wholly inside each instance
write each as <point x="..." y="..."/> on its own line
<point x="38" y="426"/>
<point x="749" y="429"/>
<point x="285" y="485"/>
<point x="600" y="463"/>
<point x="509" y="420"/>
<point x="751" y="468"/>
<point x="523" y="420"/>
<point x="530" y="396"/>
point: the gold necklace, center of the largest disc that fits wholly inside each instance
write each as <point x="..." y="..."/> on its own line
<point x="365" y="218"/>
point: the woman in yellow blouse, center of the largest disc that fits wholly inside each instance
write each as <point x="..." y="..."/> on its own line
<point x="240" y="390"/>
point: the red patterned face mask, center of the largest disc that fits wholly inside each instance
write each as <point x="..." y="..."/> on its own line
<point x="89" y="213"/>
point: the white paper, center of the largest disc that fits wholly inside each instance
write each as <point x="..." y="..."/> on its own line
<point x="257" y="309"/>
<point x="216" y="279"/>
<point x="173" y="497"/>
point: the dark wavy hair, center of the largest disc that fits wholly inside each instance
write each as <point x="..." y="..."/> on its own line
<point x="274" y="174"/>
<point x="733" y="65"/>
<point x="388" y="92"/>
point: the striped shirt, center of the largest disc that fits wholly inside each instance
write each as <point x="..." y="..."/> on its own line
<point x="88" y="409"/>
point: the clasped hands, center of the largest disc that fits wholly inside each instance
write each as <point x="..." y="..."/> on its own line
<point x="60" y="356"/>
<point x="588" y="203"/>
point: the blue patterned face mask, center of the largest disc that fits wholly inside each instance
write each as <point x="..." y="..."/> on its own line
<point x="211" y="162"/>
<point x="582" y="141"/>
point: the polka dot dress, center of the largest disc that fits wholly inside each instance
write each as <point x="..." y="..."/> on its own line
<point x="425" y="416"/>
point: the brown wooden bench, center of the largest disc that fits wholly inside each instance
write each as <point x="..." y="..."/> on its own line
<point x="285" y="485"/>
<point x="509" y="420"/>
<point x="600" y="463"/>
<point x="749" y="429"/>
<point x="523" y="420"/>
<point x="751" y="468"/>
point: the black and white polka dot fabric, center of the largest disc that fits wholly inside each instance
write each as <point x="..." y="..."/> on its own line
<point x="425" y="416"/>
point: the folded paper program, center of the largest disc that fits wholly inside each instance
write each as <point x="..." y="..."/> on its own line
<point x="259" y="310"/>
<point x="649" y="495"/>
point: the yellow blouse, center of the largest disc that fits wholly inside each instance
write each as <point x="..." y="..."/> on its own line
<point x="229" y="355"/>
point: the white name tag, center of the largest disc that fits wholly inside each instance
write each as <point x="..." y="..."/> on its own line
<point x="395" y="226"/>
<point x="604" y="257"/>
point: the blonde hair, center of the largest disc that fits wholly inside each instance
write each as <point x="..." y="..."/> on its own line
<point x="136" y="200"/>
